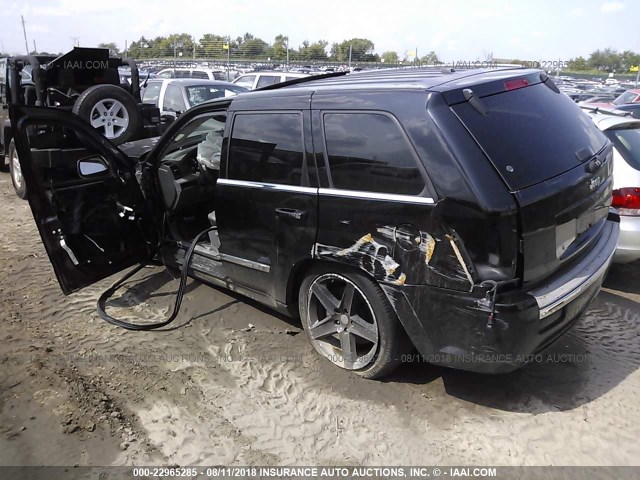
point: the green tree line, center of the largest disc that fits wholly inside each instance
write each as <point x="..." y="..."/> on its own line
<point x="605" y="60"/>
<point x="251" y="47"/>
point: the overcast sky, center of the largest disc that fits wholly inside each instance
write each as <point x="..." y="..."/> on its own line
<point x="457" y="30"/>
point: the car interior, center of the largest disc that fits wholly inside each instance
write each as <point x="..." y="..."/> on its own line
<point x="187" y="174"/>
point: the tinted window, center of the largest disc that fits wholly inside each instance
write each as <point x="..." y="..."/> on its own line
<point x="265" y="80"/>
<point x="369" y="152"/>
<point x="627" y="141"/>
<point x="182" y="74"/>
<point x="166" y="74"/>
<point x="267" y="148"/>
<point x="173" y="100"/>
<point x="152" y="93"/>
<point x="532" y="134"/>
<point x="246" y="81"/>
<point x="199" y="74"/>
<point x="203" y="93"/>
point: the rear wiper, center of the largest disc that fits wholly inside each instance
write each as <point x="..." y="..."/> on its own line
<point x="474" y="101"/>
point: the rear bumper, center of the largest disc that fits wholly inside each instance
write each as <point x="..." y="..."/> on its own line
<point x="452" y="328"/>
<point x="629" y="244"/>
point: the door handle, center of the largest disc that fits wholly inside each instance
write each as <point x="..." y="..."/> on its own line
<point x="291" y="213"/>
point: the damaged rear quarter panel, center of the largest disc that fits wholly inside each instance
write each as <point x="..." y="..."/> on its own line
<point x="417" y="251"/>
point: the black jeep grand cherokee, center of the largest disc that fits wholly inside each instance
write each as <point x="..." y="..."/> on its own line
<point x="466" y="213"/>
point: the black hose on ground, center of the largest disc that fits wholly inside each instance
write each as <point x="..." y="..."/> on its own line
<point x="184" y="273"/>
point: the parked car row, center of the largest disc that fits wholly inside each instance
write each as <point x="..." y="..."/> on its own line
<point x="464" y="214"/>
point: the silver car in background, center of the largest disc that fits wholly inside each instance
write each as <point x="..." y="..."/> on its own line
<point x="624" y="131"/>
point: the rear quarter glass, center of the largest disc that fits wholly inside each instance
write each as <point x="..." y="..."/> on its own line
<point x="531" y="134"/>
<point x="627" y="142"/>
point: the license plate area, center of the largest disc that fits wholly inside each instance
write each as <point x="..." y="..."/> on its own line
<point x="568" y="232"/>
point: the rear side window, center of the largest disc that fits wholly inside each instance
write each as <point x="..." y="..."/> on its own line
<point x="369" y="152"/>
<point x="267" y="147"/>
<point x="246" y="81"/>
<point x="266" y="80"/>
<point x="199" y="74"/>
<point x="627" y="141"/>
<point x="532" y="134"/>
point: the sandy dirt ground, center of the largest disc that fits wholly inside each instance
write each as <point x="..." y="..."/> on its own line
<point x="232" y="383"/>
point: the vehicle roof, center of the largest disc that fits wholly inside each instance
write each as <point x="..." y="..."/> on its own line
<point x="610" y="122"/>
<point x="407" y="79"/>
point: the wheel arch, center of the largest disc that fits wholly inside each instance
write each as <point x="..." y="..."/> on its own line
<point x="300" y="270"/>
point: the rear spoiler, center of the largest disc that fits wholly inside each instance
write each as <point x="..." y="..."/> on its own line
<point x="607" y="111"/>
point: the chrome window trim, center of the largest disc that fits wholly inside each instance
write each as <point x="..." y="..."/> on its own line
<point x="392" y="197"/>
<point x="266" y="186"/>
<point x="243" y="262"/>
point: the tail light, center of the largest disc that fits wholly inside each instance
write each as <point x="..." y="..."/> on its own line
<point x="627" y="201"/>
<point x="515" y="84"/>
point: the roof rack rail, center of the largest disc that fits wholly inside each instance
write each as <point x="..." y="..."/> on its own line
<point x="300" y="80"/>
<point x="606" y="111"/>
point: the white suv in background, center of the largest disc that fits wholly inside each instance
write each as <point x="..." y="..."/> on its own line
<point x="255" y="80"/>
<point x="624" y="133"/>
<point x="201" y="73"/>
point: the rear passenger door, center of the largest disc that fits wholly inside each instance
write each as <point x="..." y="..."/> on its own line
<point x="268" y="198"/>
<point x="375" y="199"/>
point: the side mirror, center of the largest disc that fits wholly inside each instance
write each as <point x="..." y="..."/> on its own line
<point x="91" y="166"/>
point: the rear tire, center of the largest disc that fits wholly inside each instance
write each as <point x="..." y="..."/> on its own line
<point x="349" y="321"/>
<point x="110" y="110"/>
<point x="16" y="172"/>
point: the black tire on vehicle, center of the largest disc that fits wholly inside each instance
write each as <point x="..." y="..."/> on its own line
<point x="16" y="171"/>
<point x="4" y="160"/>
<point x="344" y="311"/>
<point x="111" y="110"/>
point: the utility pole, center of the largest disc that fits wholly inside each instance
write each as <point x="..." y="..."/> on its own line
<point x="228" y="58"/>
<point x="35" y="49"/>
<point x="287" y="37"/>
<point x="24" y="31"/>
<point x="125" y="48"/>
<point x="175" y="52"/>
<point x="350" y="55"/>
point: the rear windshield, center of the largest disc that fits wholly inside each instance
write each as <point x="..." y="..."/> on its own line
<point x="532" y="134"/>
<point x="626" y="97"/>
<point x="627" y="141"/>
